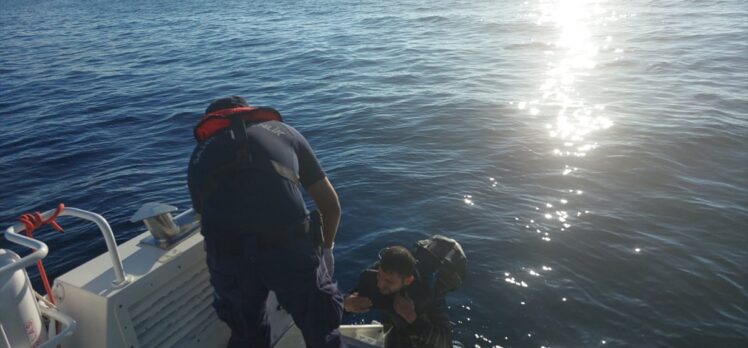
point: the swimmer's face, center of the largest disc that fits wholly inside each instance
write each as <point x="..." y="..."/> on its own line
<point x="390" y="282"/>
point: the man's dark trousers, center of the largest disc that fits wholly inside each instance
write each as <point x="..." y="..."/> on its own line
<point x="244" y="269"/>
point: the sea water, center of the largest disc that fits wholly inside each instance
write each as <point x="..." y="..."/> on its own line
<point x="590" y="156"/>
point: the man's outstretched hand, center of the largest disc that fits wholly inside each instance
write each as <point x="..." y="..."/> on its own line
<point x="357" y="304"/>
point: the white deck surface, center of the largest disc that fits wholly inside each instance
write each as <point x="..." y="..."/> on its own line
<point x="167" y="302"/>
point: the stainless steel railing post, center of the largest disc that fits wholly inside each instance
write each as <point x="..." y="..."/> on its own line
<point x="12" y="234"/>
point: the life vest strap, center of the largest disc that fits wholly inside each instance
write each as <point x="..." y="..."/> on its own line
<point x="239" y="130"/>
<point x="235" y="119"/>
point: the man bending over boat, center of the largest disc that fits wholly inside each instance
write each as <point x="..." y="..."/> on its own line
<point x="416" y="314"/>
<point x="246" y="177"/>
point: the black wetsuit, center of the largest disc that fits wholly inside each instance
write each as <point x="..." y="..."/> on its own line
<point x="431" y="328"/>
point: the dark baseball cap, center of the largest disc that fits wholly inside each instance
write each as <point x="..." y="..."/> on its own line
<point x="226" y="103"/>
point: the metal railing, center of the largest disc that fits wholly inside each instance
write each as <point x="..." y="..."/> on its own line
<point x="13" y="235"/>
<point x="69" y="323"/>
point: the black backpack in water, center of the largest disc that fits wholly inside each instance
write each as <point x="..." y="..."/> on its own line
<point x="443" y="257"/>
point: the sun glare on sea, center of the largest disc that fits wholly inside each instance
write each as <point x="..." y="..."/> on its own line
<point x="573" y="54"/>
<point x="568" y="114"/>
<point x="572" y="120"/>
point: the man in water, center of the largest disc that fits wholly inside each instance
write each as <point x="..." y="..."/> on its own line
<point x="246" y="177"/>
<point x="416" y="314"/>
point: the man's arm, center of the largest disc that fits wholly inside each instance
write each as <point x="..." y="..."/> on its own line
<point x="356" y="304"/>
<point x="432" y="327"/>
<point x="327" y="202"/>
<point x="360" y="298"/>
<point x="315" y="182"/>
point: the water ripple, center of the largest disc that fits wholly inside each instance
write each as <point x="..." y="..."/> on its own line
<point x="590" y="155"/>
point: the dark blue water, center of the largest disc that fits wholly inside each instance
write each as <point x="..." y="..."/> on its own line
<point x="592" y="157"/>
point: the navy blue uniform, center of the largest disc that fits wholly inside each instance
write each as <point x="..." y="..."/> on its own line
<point x="257" y="237"/>
<point x="262" y="198"/>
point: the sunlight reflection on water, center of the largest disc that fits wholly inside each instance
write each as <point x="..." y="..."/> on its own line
<point x="571" y="118"/>
<point x="564" y="113"/>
